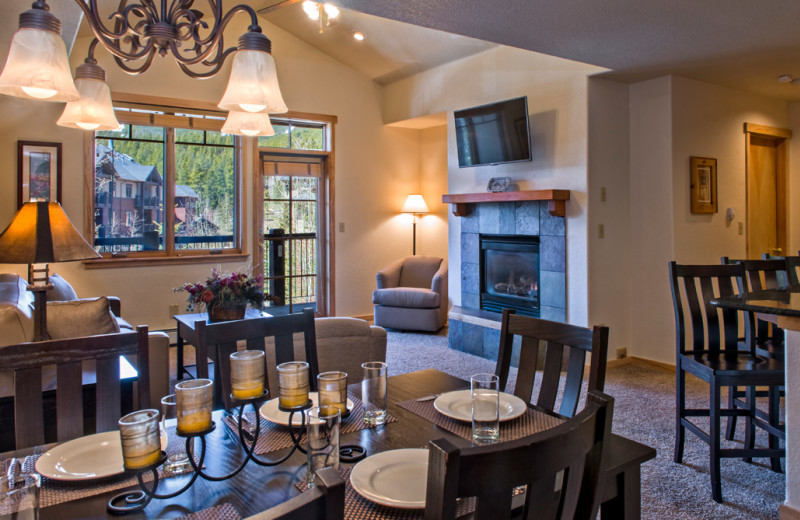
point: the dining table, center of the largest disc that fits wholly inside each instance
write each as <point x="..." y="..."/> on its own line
<point x="258" y="488"/>
<point x="782" y="307"/>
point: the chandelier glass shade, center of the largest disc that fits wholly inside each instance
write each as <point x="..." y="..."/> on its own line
<point x="38" y="67"/>
<point x="248" y="123"/>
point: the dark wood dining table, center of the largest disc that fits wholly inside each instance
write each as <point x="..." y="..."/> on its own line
<point x="257" y="488"/>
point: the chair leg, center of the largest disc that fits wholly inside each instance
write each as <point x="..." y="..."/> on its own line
<point x="774" y="420"/>
<point x="714" y="438"/>
<point x="730" y="432"/>
<point x="749" y="427"/>
<point x="680" y="407"/>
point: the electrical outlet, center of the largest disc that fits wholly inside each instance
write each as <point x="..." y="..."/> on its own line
<point x="622" y="353"/>
<point x="341" y="227"/>
<point x="173" y="309"/>
<point x="601" y="231"/>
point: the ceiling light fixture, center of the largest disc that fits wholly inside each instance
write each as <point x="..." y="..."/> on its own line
<point x="323" y="13"/>
<point x="248" y="123"/>
<point x="38" y="68"/>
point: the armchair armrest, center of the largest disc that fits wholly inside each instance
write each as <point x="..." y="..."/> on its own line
<point x="389" y="276"/>
<point x="439" y="281"/>
<point x="116" y="305"/>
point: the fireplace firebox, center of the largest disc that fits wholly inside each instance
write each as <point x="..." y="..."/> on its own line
<point x="509" y="269"/>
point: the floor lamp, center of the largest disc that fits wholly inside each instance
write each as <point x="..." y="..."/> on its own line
<point x="41" y="233"/>
<point x="415" y="205"/>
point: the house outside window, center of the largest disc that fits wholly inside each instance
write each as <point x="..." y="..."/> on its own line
<point x="185" y="176"/>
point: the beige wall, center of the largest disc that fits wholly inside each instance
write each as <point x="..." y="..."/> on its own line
<point x="557" y="91"/>
<point x="376" y="167"/>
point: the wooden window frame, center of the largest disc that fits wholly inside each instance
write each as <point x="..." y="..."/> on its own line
<point x="169" y="255"/>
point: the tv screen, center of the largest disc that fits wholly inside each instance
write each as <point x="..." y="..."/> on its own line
<point x="493" y="134"/>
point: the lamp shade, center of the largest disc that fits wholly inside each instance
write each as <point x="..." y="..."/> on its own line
<point x="93" y="111"/>
<point x="253" y="84"/>
<point x="248" y="123"/>
<point x="37" y="67"/>
<point x="41" y="233"/>
<point x="415" y="204"/>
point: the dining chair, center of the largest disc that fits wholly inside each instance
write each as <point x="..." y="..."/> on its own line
<point x="26" y="361"/>
<point x="707" y="347"/>
<point x="560" y="342"/>
<point x="571" y="452"/>
<point x="792" y="267"/>
<point x="223" y="338"/>
<point x="765" y="274"/>
<point x="325" y="501"/>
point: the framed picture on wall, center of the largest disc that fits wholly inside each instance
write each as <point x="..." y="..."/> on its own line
<point x="703" y="184"/>
<point x="38" y="172"/>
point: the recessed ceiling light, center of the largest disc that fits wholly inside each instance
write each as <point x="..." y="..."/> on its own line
<point x="360" y="36"/>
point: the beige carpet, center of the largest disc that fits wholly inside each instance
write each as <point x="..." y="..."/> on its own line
<point x="644" y="411"/>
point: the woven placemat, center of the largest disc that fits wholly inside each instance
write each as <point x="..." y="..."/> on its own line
<point x="220" y="512"/>
<point x="357" y="507"/>
<point x="276" y="436"/>
<point x="532" y="421"/>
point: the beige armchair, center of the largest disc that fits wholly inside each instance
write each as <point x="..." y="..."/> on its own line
<point x="412" y="294"/>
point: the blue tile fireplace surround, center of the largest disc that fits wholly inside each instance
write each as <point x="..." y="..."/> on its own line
<point x="477" y="331"/>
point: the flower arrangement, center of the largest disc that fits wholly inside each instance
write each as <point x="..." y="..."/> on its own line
<point x="222" y="291"/>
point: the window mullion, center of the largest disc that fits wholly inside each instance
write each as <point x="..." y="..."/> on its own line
<point x="169" y="191"/>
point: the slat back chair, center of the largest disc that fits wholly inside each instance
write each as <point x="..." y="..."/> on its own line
<point x="221" y="339"/>
<point x="27" y="359"/>
<point x="325" y="501"/>
<point x="490" y="473"/>
<point x="707" y="346"/>
<point x="792" y="267"/>
<point x="556" y="339"/>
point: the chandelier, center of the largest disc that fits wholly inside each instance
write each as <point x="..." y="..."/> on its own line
<point x="37" y="66"/>
<point x="322" y="12"/>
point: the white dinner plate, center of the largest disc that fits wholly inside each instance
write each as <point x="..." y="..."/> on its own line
<point x="272" y="413"/>
<point x="84" y="458"/>
<point x="395" y="478"/>
<point x="458" y="405"/>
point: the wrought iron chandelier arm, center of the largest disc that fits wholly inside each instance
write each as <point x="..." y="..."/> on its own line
<point x="142" y="68"/>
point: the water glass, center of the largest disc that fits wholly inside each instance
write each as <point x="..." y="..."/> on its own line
<point x="194" y="399"/>
<point x="178" y="461"/>
<point x="293" y="384"/>
<point x="141" y="440"/>
<point x="373" y="392"/>
<point x="19" y="497"/>
<point x="247" y="374"/>
<point x="485" y="408"/>
<point x="323" y="440"/>
<point x="332" y="387"/>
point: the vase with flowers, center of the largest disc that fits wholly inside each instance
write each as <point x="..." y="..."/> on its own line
<point x="225" y="295"/>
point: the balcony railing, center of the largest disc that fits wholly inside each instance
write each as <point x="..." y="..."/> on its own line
<point x="149" y="242"/>
<point x="291" y="267"/>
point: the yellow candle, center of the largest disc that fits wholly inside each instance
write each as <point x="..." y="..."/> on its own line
<point x="141" y="461"/>
<point x="247" y="374"/>
<point x="194" y="422"/>
<point x="243" y="392"/>
<point x="140" y="439"/>
<point x="293" y="384"/>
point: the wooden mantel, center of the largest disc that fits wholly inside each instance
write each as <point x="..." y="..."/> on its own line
<point x="462" y="202"/>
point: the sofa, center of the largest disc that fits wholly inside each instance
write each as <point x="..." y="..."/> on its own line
<point x="412" y="294"/>
<point x="69" y="316"/>
<point x="342" y="344"/>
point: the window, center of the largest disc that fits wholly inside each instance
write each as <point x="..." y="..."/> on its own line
<point x="296" y="136"/>
<point x="184" y="174"/>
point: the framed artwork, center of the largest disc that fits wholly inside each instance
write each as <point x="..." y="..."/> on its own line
<point x="703" y="185"/>
<point x="38" y="172"/>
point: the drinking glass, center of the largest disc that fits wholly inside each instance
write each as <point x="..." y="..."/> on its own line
<point x="19" y="496"/>
<point x="140" y="438"/>
<point x="373" y="392"/>
<point x="323" y="440"/>
<point x="293" y="384"/>
<point x="332" y="387"/>
<point x="178" y="461"/>
<point x="485" y="408"/>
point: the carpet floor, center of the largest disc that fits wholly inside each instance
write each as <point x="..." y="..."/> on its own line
<point x="644" y="411"/>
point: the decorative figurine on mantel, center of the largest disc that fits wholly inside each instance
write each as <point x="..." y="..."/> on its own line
<point x="499" y="184"/>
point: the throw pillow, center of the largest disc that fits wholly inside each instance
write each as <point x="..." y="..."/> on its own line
<point x="86" y="317"/>
<point x="62" y="291"/>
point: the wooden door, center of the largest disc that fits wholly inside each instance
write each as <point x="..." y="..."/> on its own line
<point x="767" y="159"/>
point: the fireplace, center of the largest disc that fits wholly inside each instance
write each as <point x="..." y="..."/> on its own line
<point x="509" y="273"/>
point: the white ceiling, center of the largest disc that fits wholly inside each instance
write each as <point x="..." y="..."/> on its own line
<point x="743" y="44"/>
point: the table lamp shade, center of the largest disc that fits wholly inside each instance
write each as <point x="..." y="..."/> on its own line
<point x="415" y="204"/>
<point x="41" y="233"/>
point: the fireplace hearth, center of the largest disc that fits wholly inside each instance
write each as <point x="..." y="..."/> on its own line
<point x="509" y="273"/>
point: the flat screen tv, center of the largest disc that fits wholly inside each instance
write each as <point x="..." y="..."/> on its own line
<point x="493" y="134"/>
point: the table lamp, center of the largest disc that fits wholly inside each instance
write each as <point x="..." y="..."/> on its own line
<point x="415" y="205"/>
<point x="41" y="233"/>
